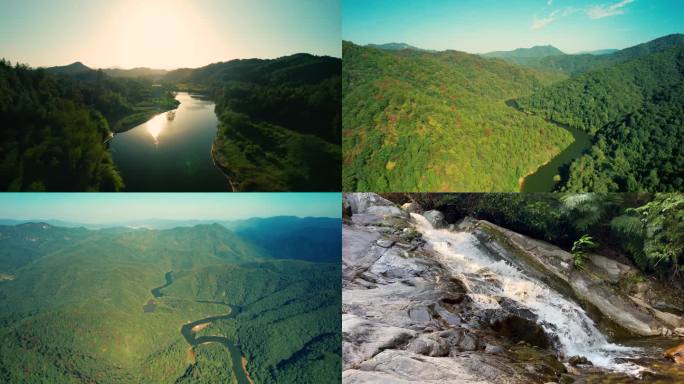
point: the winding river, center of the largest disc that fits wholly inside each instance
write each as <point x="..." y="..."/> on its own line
<point x="171" y="152"/>
<point x="187" y="331"/>
<point x="542" y="179"/>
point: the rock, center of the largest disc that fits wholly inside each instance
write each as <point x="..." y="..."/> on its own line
<point x="372" y="203"/>
<point x="549" y="263"/>
<point x="676" y="354"/>
<point x="679" y="331"/>
<point x="346" y="209"/>
<point x="468" y="343"/>
<point x="494" y="349"/>
<point x="436" y="218"/>
<point x="579" y="360"/>
<point x="429" y="345"/>
<point x="412" y="207"/>
<point x="384" y="243"/>
<point x="392" y="366"/>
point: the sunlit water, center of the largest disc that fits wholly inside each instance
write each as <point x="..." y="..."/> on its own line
<point x="488" y="278"/>
<point x="171" y="151"/>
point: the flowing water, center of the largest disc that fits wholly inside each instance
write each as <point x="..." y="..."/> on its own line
<point x="488" y="278"/>
<point x="191" y="338"/>
<point x="171" y="152"/>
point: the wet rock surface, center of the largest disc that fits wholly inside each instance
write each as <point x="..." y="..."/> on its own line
<point x="406" y="319"/>
<point x="594" y="284"/>
<point x="410" y="318"/>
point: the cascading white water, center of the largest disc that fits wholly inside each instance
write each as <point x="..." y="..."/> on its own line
<point x="487" y="279"/>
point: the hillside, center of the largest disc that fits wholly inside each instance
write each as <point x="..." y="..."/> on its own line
<point x="633" y="110"/>
<point x="395" y="46"/>
<point x="84" y="308"/>
<point x="153" y="74"/>
<point x="54" y="125"/>
<point x="76" y="68"/>
<point x="580" y="63"/>
<point x="439" y="121"/>
<point x="524" y="56"/>
<point x="279" y="120"/>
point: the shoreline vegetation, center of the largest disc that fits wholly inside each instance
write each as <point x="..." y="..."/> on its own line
<point x="279" y="120"/>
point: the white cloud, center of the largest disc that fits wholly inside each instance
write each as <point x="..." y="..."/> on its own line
<point x="541" y="23"/>
<point x="549" y="2"/>
<point x="601" y="11"/>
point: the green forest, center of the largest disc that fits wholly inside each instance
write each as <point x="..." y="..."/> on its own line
<point x="416" y="120"/>
<point x="76" y="306"/>
<point x="54" y="126"/>
<point x="279" y="120"/>
<point x="442" y="121"/>
<point x="633" y="111"/>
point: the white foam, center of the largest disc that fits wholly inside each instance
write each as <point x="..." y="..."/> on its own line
<point x="488" y="279"/>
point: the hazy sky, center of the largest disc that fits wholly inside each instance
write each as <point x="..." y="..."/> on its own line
<point x="164" y="33"/>
<point x="479" y="26"/>
<point x="93" y="208"/>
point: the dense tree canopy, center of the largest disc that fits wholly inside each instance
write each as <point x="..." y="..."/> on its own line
<point x="416" y="120"/>
<point x="54" y="126"/>
<point x="279" y="120"/>
<point x="634" y="112"/>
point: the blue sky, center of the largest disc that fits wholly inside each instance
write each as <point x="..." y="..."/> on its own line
<point x="122" y="207"/>
<point x="164" y="33"/>
<point x="479" y="26"/>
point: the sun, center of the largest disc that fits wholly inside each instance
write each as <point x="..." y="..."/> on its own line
<point x="157" y="34"/>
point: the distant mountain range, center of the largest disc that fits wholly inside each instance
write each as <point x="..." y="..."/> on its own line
<point x="160" y="224"/>
<point x="397" y="47"/>
<point x="536" y="51"/>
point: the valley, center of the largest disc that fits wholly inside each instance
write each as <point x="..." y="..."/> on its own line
<point x="89" y="305"/>
<point x="422" y="120"/>
<point x="261" y="124"/>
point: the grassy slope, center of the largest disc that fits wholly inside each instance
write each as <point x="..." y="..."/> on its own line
<point x="438" y="121"/>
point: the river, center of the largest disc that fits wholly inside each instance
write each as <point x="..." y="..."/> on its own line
<point x="186" y="330"/>
<point x="542" y="179"/>
<point x="171" y="152"/>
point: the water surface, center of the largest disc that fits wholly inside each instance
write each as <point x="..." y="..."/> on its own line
<point x="172" y="151"/>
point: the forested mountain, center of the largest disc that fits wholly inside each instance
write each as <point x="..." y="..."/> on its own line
<point x="279" y="120"/>
<point x="599" y="52"/>
<point x="634" y="111"/>
<point x="395" y="46"/>
<point x="580" y="63"/>
<point x="53" y="126"/>
<point x="91" y="306"/>
<point x="526" y="55"/>
<point x="153" y="74"/>
<point x="72" y="69"/>
<point x="289" y="237"/>
<point x="439" y="121"/>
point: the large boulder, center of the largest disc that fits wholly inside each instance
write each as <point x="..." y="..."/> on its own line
<point x="592" y="284"/>
<point x="436" y="218"/>
<point x="372" y="204"/>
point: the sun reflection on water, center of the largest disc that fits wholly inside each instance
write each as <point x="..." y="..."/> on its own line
<point x="156" y="125"/>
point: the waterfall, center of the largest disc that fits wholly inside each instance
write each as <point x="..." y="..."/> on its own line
<point x="488" y="278"/>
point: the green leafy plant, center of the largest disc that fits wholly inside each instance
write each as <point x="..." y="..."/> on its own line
<point x="580" y="248"/>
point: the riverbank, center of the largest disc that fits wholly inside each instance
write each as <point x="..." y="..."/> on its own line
<point x="190" y="330"/>
<point x="546" y="177"/>
<point x="221" y="162"/>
